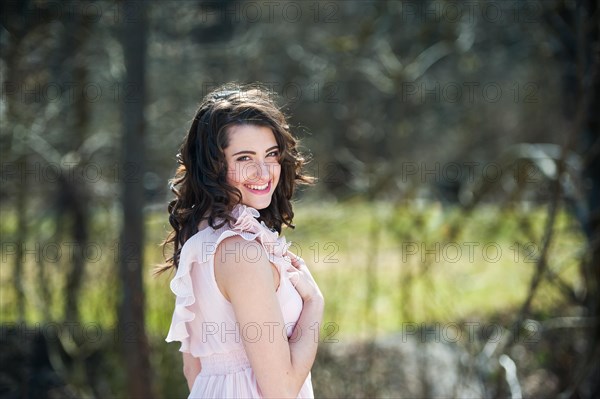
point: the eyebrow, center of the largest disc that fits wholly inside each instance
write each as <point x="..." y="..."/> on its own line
<point x="254" y="153"/>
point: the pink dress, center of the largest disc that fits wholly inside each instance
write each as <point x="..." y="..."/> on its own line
<point x="204" y="321"/>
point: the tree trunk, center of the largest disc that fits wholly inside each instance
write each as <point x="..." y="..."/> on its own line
<point x="581" y="52"/>
<point x="73" y="197"/>
<point x="132" y="335"/>
<point x="591" y="174"/>
<point x="588" y="88"/>
<point x="21" y="186"/>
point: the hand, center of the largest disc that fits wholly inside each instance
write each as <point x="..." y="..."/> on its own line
<point x="302" y="280"/>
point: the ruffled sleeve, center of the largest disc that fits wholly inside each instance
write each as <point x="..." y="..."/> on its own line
<point x="181" y="286"/>
<point x="200" y="249"/>
<point x="248" y="227"/>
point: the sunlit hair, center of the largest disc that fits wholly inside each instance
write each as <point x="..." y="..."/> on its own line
<point x="200" y="183"/>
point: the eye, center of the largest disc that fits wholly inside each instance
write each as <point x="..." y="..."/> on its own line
<point x="273" y="154"/>
<point x="243" y="158"/>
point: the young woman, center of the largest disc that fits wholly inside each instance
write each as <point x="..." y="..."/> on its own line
<point x="247" y="311"/>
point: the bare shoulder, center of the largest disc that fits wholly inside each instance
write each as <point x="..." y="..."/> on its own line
<point x="236" y="251"/>
<point x="241" y="264"/>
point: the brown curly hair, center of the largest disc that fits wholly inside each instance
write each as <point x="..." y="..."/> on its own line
<point x="200" y="186"/>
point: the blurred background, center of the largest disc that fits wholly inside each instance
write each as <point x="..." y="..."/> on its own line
<point x="454" y="226"/>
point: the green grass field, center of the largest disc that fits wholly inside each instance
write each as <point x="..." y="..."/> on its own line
<point x="378" y="265"/>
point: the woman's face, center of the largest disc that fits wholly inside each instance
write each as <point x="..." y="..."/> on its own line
<point x="253" y="163"/>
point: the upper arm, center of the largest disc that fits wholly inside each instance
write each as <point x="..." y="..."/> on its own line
<point x="243" y="270"/>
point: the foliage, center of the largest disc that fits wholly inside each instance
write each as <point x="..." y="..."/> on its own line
<point x="430" y="132"/>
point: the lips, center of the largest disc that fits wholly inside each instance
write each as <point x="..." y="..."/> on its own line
<point x="259" y="188"/>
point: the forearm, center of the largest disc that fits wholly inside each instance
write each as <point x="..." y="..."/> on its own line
<point x="191" y="369"/>
<point x="305" y="339"/>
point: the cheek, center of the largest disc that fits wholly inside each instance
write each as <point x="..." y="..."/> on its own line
<point x="232" y="174"/>
<point x="277" y="172"/>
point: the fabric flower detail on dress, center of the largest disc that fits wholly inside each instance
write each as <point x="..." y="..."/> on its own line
<point x="248" y="226"/>
<point x="245" y="219"/>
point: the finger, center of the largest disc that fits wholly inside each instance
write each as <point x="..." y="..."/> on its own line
<point x="291" y="255"/>
<point x="294" y="278"/>
<point x="296" y="261"/>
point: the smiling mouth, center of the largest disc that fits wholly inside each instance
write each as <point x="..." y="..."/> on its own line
<point x="259" y="189"/>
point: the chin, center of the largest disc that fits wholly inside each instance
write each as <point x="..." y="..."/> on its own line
<point x="258" y="204"/>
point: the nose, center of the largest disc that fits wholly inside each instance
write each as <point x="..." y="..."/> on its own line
<point x="260" y="172"/>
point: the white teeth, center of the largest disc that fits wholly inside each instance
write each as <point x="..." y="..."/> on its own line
<point x="253" y="187"/>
